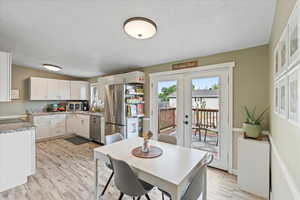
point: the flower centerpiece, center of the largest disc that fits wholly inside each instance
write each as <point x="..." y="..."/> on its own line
<point x="146" y="146"/>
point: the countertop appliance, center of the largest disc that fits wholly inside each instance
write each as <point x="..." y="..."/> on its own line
<point x="85" y="106"/>
<point x="95" y="128"/>
<point x="124" y="109"/>
<point x="75" y="106"/>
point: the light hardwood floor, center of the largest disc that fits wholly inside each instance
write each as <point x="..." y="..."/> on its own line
<point x="66" y="172"/>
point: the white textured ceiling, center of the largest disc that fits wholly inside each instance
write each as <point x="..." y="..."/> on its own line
<point x="86" y="38"/>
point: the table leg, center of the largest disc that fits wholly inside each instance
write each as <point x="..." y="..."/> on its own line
<point x="96" y="179"/>
<point x="204" y="183"/>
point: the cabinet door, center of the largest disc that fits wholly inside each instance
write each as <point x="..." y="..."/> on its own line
<point x="84" y="126"/>
<point x="5" y="76"/>
<point x="79" y="90"/>
<point x="38" y="88"/>
<point x="43" y="125"/>
<point x="64" y="89"/>
<point x="75" y="90"/>
<point x="53" y="89"/>
<point x="58" y="125"/>
<point x="73" y="124"/>
<point x="84" y="91"/>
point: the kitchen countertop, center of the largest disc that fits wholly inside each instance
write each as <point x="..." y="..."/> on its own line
<point x="58" y="113"/>
<point x="15" y="127"/>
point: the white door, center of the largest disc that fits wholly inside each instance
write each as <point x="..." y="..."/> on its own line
<point x="194" y="107"/>
<point x="206" y="113"/>
<point x="166" y="106"/>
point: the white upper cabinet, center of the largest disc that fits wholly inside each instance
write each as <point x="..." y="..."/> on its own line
<point x="64" y="89"/>
<point x="79" y="90"/>
<point x="53" y="89"/>
<point x="131" y="77"/>
<point x="5" y="76"/>
<point x="58" y="89"/>
<point x="38" y="88"/>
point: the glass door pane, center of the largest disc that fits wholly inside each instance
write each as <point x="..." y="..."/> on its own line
<point x="205" y="115"/>
<point x="167" y="104"/>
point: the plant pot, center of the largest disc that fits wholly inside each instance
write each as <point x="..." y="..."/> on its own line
<point x="252" y="130"/>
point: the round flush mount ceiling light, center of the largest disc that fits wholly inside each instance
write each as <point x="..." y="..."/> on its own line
<point x="140" y="27"/>
<point x="52" y="67"/>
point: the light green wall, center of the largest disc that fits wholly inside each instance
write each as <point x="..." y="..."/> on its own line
<point x="251" y="78"/>
<point x="20" y="81"/>
<point x="286" y="135"/>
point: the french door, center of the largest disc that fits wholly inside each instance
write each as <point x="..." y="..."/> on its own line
<point x="194" y="107"/>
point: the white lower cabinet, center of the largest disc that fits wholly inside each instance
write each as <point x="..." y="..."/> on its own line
<point x="17" y="158"/>
<point x="254" y="166"/>
<point x="58" y="125"/>
<point x="78" y="124"/>
<point x="62" y="124"/>
<point x="50" y="125"/>
<point x="84" y="129"/>
<point x="42" y="124"/>
<point x="72" y="123"/>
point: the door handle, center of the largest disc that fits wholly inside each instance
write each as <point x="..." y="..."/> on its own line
<point x="186" y="122"/>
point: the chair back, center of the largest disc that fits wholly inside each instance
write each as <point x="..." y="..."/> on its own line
<point x="125" y="179"/>
<point x="193" y="191"/>
<point x="109" y="139"/>
<point x="167" y="139"/>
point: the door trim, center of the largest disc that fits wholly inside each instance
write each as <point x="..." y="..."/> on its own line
<point x="228" y="66"/>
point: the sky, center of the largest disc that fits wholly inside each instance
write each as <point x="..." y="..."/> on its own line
<point x="200" y="83"/>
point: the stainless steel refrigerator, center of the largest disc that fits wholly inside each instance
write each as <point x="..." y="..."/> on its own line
<point x="116" y="112"/>
<point x="114" y="105"/>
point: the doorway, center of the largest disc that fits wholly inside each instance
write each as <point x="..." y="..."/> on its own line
<point x="195" y="106"/>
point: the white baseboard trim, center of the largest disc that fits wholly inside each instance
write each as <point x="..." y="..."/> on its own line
<point x="289" y="179"/>
<point x="13" y="116"/>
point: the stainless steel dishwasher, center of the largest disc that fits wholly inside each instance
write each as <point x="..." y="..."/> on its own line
<point x="95" y="128"/>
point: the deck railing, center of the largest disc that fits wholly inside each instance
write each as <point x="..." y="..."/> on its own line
<point x="167" y="118"/>
<point x="206" y="118"/>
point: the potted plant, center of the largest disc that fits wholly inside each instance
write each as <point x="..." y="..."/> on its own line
<point x="252" y="125"/>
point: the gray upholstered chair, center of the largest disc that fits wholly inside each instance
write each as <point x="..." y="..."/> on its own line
<point x="127" y="181"/>
<point x="109" y="139"/>
<point x="193" y="192"/>
<point x="167" y="139"/>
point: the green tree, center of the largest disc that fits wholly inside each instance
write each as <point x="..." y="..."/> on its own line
<point x="165" y="92"/>
<point x="215" y="87"/>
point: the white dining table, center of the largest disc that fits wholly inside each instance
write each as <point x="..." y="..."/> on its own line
<point x="171" y="172"/>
